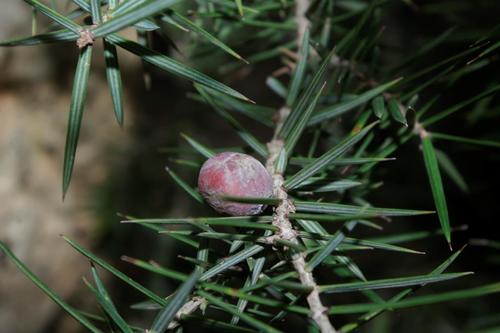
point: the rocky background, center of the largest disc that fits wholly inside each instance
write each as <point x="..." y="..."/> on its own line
<point x="116" y="170"/>
<point x="35" y="88"/>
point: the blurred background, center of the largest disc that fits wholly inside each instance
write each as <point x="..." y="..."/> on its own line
<point x="122" y="171"/>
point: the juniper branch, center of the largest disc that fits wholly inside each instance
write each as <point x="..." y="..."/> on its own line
<point x="286" y="207"/>
<point x="286" y="231"/>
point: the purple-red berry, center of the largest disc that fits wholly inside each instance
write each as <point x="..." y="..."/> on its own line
<point x="237" y="175"/>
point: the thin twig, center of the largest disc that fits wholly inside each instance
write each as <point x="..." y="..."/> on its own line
<point x="286" y="207"/>
<point x="420" y="130"/>
<point x="286" y="231"/>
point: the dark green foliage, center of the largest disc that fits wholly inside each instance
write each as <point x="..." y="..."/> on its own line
<point x="341" y="112"/>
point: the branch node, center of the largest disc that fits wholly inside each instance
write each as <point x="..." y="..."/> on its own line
<point x="86" y="38"/>
<point x="420" y="130"/>
<point x="192" y="305"/>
